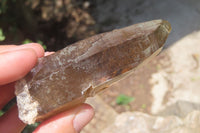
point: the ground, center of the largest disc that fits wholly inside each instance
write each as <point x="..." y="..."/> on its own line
<point x="170" y="90"/>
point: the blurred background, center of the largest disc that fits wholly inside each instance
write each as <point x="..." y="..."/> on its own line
<point x="162" y="96"/>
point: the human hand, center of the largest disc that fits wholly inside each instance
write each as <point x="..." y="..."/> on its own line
<point x="15" y="63"/>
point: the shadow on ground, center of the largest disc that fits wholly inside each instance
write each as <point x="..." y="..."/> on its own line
<point x="183" y="15"/>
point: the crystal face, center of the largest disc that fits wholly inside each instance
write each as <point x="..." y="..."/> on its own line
<point x="66" y="78"/>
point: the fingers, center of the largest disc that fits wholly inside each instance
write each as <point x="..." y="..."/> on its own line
<point x="6" y="47"/>
<point x="35" y="46"/>
<point x="17" y="61"/>
<point x="10" y="123"/>
<point x="71" y="121"/>
<point x="16" y="64"/>
<point x="6" y="94"/>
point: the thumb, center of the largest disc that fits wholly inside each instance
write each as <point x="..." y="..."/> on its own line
<point x="71" y="121"/>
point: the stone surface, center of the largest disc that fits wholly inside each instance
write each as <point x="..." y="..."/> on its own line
<point x="142" y="123"/>
<point x="179" y="81"/>
<point x="104" y="115"/>
<point x="66" y="78"/>
<point x="180" y="109"/>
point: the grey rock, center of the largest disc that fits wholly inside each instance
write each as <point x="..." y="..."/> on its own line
<point x="135" y="122"/>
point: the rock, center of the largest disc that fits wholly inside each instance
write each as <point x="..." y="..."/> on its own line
<point x="102" y="113"/>
<point x="178" y="79"/>
<point x="180" y="109"/>
<point x="136" y="122"/>
<point x="66" y="78"/>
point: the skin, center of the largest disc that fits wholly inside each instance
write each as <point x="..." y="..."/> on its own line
<point x="15" y="63"/>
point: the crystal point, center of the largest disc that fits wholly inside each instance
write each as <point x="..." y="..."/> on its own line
<point x="66" y="78"/>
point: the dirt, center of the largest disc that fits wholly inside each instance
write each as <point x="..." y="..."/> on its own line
<point x="55" y="23"/>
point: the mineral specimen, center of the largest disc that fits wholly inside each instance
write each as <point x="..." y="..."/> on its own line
<point x="66" y="78"/>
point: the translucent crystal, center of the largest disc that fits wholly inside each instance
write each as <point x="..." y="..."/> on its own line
<point x="66" y="78"/>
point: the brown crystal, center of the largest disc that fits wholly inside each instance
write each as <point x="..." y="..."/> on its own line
<point x="66" y="78"/>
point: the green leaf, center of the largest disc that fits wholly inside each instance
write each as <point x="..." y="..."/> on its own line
<point x="44" y="46"/>
<point x="40" y="42"/>
<point x="144" y="106"/>
<point x="27" y="41"/>
<point x="2" y="37"/>
<point x="1" y="112"/>
<point x="124" y="99"/>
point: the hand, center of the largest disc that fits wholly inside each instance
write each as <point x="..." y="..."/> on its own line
<point x="15" y="63"/>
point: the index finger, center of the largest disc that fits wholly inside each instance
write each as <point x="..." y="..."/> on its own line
<point x="16" y="64"/>
<point x="17" y="61"/>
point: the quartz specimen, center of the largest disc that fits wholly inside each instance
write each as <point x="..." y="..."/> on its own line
<point x="66" y="78"/>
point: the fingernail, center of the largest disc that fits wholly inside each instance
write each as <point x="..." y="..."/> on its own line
<point x="48" y="53"/>
<point x="82" y="118"/>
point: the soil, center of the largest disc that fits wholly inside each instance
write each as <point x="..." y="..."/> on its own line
<point x="55" y="23"/>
